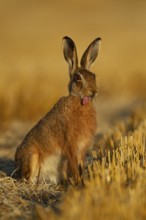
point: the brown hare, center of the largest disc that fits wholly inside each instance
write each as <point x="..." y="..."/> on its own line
<point x="58" y="142"/>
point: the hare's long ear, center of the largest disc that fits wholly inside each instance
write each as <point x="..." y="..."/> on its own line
<point x="70" y="54"/>
<point x="90" y="54"/>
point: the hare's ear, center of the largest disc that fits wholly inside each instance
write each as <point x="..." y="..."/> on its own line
<point x="70" y="54"/>
<point x="90" y="54"/>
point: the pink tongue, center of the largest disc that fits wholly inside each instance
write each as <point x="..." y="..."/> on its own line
<point x="85" y="100"/>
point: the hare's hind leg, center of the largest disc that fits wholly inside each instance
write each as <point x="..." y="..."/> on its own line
<point x="30" y="168"/>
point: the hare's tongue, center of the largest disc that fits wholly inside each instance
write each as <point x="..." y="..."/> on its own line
<point x="85" y="100"/>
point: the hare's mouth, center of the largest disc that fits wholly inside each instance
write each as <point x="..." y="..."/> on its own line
<point x="86" y="100"/>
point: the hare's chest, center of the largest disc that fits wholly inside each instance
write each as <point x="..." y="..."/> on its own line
<point x="88" y="125"/>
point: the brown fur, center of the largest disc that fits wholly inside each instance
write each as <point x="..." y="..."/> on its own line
<point x="65" y="133"/>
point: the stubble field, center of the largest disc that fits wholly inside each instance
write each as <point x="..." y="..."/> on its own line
<point x="33" y="75"/>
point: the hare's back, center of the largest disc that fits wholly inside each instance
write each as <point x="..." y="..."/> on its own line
<point x="66" y="121"/>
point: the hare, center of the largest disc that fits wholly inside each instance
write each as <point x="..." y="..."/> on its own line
<point x="57" y="144"/>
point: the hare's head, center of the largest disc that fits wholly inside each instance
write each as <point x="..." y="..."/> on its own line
<point x="82" y="81"/>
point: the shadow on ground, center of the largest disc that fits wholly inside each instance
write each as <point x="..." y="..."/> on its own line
<point x="7" y="166"/>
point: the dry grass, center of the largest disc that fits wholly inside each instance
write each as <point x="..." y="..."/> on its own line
<point x="33" y="75"/>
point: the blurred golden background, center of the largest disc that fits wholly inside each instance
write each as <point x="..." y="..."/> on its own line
<point x="33" y="72"/>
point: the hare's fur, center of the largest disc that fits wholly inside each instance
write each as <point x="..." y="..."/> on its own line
<point x="57" y="144"/>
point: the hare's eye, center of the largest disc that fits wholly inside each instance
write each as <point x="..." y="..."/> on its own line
<point x="77" y="77"/>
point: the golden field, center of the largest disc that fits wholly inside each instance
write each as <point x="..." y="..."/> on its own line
<point x="33" y="75"/>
